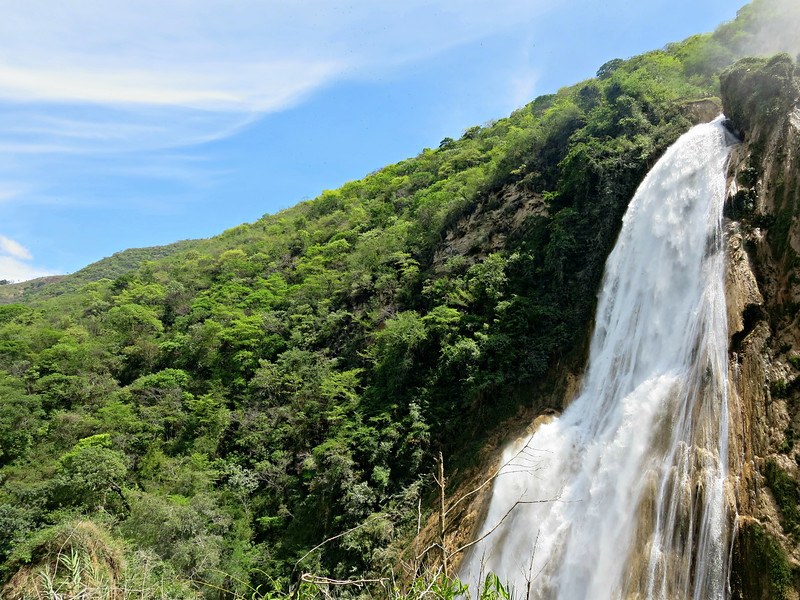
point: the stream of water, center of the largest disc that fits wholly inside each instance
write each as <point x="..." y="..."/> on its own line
<point x="625" y="495"/>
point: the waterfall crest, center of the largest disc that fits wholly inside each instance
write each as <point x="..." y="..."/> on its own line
<point x="624" y="495"/>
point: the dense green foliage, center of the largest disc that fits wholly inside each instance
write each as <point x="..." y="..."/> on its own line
<point x="225" y="408"/>
<point x="787" y="496"/>
<point x="109" y="268"/>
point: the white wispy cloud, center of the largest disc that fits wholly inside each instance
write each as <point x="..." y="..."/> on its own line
<point x="14" y="249"/>
<point x="16" y="262"/>
<point x="12" y="269"/>
<point x="164" y="74"/>
<point x="38" y="128"/>
<point x="223" y="86"/>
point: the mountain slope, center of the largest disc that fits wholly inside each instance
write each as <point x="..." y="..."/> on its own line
<point x="111" y="267"/>
<point x="226" y="408"/>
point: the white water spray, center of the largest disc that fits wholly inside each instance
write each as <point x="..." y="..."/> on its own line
<point x="624" y="496"/>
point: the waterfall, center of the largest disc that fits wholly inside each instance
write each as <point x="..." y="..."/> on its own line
<point x="624" y="496"/>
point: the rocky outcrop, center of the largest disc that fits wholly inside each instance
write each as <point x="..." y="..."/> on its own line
<point x="488" y="225"/>
<point x="760" y="96"/>
<point x="757" y="91"/>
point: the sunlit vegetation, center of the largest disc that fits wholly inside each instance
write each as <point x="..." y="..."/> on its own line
<point x="201" y="420"/>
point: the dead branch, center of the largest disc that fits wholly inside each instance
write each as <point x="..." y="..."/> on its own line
<point x="321" y="580"/>
<point x="500" y="522"/>
<point x="442" y="513"/>
<point x="499" y="471"/>
<point x="336" y="537"/>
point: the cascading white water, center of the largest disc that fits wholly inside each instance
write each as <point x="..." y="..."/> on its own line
<point x="624" y="496"/>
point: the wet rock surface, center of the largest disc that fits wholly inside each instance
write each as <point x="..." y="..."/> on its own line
<point x="763" y="297"/>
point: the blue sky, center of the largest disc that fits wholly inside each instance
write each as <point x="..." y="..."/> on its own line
<point x="127" y="124"/>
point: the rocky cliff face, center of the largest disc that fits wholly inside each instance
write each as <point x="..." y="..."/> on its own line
<point x="761" y="98"/>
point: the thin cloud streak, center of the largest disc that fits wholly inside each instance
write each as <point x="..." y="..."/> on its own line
<point x="248" y="58"/>
<point x="14" y="249"/>
<point x="223" y="87"/>
<point x="72" y="129"/>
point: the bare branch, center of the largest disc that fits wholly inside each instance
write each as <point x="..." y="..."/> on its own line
<point x="336" y="537"/>
<point x="505" y="516"/>
<point x="428" y="549"/>
<point x="419" y="515"/>
<point x="442" y="514"/>
<point x="499" y="471"/>
<point x="529" y="575"/>
<point x="320" y="580"/>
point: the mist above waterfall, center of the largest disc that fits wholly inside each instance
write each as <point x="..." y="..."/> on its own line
<point x="624" y="495"/>
<point x="772" y="27"/>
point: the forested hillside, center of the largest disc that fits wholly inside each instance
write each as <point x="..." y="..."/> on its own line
<point x="108" y="268"/>
<point x="197" y="424"/>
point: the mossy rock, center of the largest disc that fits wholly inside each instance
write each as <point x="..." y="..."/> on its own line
<point x="786" y="492"/>
<point x="761" y="569"/>
<point x="756" y="90"/>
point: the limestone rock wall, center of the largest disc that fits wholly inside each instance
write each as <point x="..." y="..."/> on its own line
<point x="763" y="287"/>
